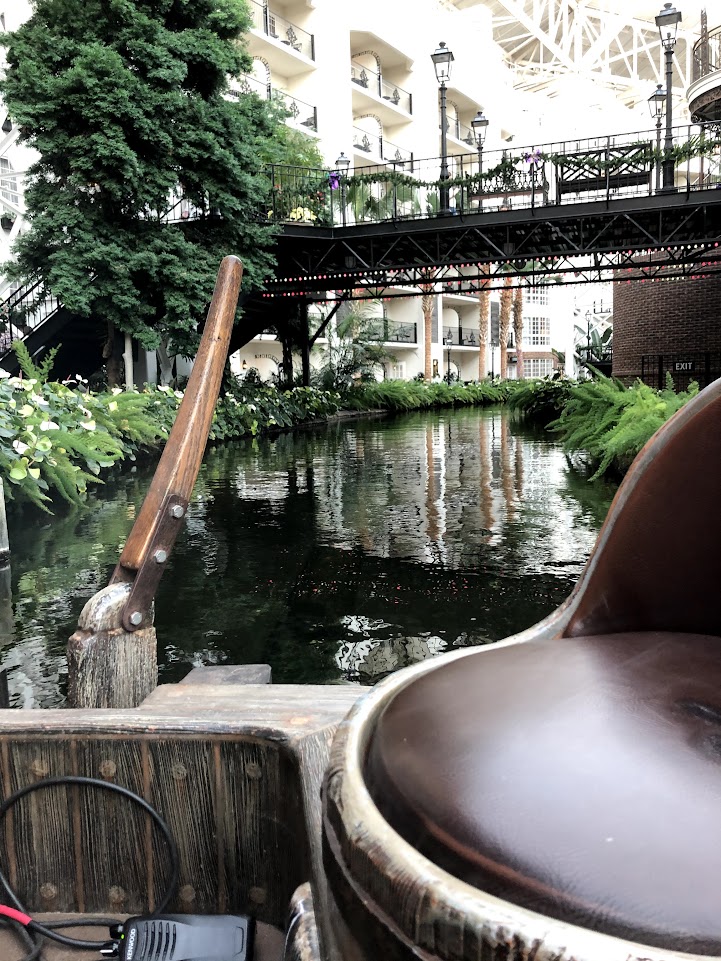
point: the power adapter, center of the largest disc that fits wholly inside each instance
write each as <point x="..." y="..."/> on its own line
<point x="182" y="937"/>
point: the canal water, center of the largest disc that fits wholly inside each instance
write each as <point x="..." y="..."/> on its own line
<point x="341" y="553"/>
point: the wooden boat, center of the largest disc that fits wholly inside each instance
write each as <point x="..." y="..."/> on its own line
<point x="558" y="744"/>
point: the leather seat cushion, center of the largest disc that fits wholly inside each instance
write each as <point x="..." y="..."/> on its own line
<point x="577" y="777"/>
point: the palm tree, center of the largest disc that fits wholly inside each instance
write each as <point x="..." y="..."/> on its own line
<point x="518" y="328"/>
<point x="484" y="311"/>
<point x="504" y="324"/>
<point x="427" y="308"/>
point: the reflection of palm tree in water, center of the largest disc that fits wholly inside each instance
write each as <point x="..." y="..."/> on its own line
<point x="364" y="534"/>
<point x="519" y="469"/>
<point x="486" y="473"/>
<point x="507" y="470"/>
<point x="431" y="495"/>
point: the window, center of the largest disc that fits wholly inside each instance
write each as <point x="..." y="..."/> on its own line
<point x="537" y="332"/>
<point x="538" y="367"/>
<point x="537" y="295"/>
<point x="398" y="371"/>
<point x="8" y="183"/>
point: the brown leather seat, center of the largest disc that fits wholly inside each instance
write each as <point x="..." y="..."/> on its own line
<point x="578" y="777"/>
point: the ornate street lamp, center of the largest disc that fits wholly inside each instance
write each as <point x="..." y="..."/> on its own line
<point x="667" y="22"/>
<point x="479" y="125"/>
<point x="657" y="107"/>
<point x="342" y="164"/>
<point x="442" y="60"/>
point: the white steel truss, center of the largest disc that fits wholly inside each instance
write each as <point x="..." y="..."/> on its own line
<point x="544" y="40"/>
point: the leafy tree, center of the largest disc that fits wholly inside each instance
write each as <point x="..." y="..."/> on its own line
<point x="289" y="146"/>
<point x="124" y="101"/>
<point x="355" y="350"/>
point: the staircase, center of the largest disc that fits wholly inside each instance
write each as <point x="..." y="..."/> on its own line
<point x="50" y="324"/>
<point x="32" y="323"/>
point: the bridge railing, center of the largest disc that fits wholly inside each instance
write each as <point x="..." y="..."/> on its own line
<point x="596" y="168"/>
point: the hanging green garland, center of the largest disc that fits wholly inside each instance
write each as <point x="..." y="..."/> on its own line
<point x="641" y="153"/>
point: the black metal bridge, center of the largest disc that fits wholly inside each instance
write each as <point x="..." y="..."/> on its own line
<point x="579" y="211"/>
<point x="582" y="211"/>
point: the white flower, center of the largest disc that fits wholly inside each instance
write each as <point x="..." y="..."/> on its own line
<point x="113" y="405"/>
<point x="40" y="401"/>
<point x="20" y="447"/>
<point x="49" y="425"/>
<point x="88" y="424"/>
<point x="117" y="390"/>
<point x="3" y="374"/>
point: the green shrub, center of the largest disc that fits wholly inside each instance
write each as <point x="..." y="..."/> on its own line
<point x="403" y="395"/>
<point x="540" y="401"/>
<point x="610" y="423"/>
<point x="55" y="439"/>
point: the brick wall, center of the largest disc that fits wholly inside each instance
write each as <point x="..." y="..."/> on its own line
<point x="665" y="317"/>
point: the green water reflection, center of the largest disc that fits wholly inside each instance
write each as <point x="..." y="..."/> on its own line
<point x="334" y="554"/>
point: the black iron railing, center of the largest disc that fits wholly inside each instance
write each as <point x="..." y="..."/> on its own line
<point x="248" y="84"/>
<point x="460" y="131"/>
<point x="600" y="168"/>
<point x="278" y="28"/>
<point x="377" y="146"/>
<point x="374" y="83"/>
<point x="460" y="336"/>
<point x="22" y="312"/>
<point x="301" y="114"/>
<point x="393" y="331"/>
<point x="700" y="366"/>
<point x="707" y="55"/>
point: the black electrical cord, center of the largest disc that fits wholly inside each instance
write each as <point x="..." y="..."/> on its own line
<point x="47" y="930"/>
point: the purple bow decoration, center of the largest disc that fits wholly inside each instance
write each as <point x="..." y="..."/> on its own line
<point x="533" y="157"/>
<point x="334" y="180"/>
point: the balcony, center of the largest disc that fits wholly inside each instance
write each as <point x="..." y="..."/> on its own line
<point x="704" y="94"/>
<point x="301" y="115"/>
<point x="248" y="84"/>
<point x="460" y="337"/>
<point x="378" y="148"/>
<point x="393" y="332"/>
<point x="289" y="49"/>
<point x="390" y="101"/>
<point x="461" y="133"/>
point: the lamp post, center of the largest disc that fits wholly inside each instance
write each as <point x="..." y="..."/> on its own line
<point x="442" y="60"/>
<point x="448" y="340"/>
<point x="667" y="22"/>
<point x="480" y="128"/>
<point x="657" y="106"/>
<point x="342" y="164"/>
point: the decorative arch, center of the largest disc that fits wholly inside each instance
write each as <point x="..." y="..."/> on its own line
<point x="264" y="63"/>
<point x="372" y="116"/>
<point x="370" y="53"/>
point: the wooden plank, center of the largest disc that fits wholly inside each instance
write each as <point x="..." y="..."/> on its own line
<point x="39" y="846"/>
<point x="117" y="869"/>
<point x="235" y="674"/>
<point x="263" y="847"/>
<point x="278" y="712"/>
